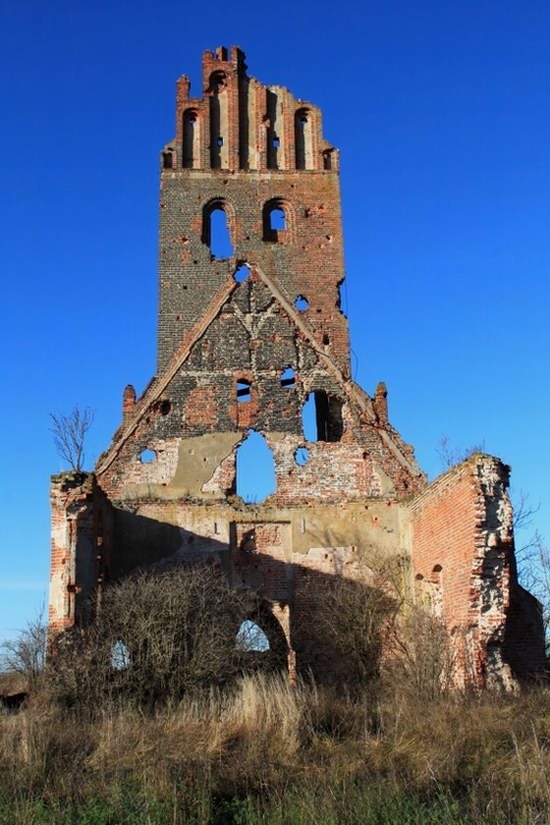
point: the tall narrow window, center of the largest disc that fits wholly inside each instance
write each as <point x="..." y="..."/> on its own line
<point x="190" y="157"/>
<point x="215" y="231"/>
<point x="322" y="417"/>
<point x="218" y="112"/>
<point x="303" y="139"/>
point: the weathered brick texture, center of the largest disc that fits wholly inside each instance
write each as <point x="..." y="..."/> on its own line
<point x="245" y="349"/>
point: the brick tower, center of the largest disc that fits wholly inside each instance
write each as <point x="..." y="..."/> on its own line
<point x="248" y="336"/>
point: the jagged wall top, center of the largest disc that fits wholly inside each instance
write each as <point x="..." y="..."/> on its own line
<point x="239" y="124"/>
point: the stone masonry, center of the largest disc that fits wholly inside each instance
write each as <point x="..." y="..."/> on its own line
<point x="246" y="340"/>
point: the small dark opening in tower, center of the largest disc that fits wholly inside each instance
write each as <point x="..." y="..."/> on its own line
<point x="302" y="138"/>
<point x="243" y="390"/>
<point x="189" y="127"/>
<point x="167" y="160"/>
<point x="216" y="85"/>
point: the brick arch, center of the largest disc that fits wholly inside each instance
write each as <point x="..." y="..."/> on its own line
<point x="218" y="202"/>
<point x="285" y="206"/>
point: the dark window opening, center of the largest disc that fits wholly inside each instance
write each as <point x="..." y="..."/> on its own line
<point x="189" y="139"/>
<point x="165" y="407"/>
<point x="322" y="417"/>
<point x="302" y="139"/>
<point x="216" y="232"/>
<point x="255" y="469"/>
<point x="327" y="161"/>
<point x="301" y="303"/>
<point x="217" y="84"/>
<point x="326" y="340"/>
<point x="243" y="390"/>
<point x="272" y="138"/>
<point x="288" y="378"/>
<point x="167" y="160"/>
<point x="242" y="273"/>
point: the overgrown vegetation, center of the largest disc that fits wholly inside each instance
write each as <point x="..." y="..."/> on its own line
<point x="157" y="716"/>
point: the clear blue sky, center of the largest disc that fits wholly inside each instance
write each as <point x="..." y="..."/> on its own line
<point x="441" y="112"/>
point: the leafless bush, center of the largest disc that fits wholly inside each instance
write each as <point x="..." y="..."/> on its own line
<point x="421" y="656"/>
<point x="350" y="618"/>
<point x="69" y="435"/>
<point x="450" y="455"/>
<point x="157" y="637"/>
<point x="25" y="655"/>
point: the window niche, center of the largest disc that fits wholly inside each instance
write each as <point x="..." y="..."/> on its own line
<point x="275" y="220"/>
<point x="191" y="137"/>
<point x="218" y="117"/>
<point x="303" y="139"/>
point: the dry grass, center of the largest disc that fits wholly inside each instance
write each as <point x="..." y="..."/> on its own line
<point x="263" y="740"/>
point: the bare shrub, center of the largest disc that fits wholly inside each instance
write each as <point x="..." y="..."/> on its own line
<point x="450" y="455"/>
<point x="157" y="637"/>
<point x="69" y="435"/>
<point x="349" y="620"/>
<point x="25" y="655"/>
<point x="421" y="656"/>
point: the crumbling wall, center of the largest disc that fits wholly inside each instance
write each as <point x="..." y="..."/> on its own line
<point x="462" y="555"/>
<point x="81" y="542"/>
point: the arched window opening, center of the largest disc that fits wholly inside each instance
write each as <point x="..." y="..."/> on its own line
<point x="327" y="160"/>
<point x="243" y="390"/>
<point x="303" y="139"/>
<point x="255" y="470"/>
<point x="272" y="139"/>
<point x="288" y="379"/>
<point x="322" y="417"/>
<point x="242" y="273"/>
<point x="147" y="456"/>
<point x="275" y="221"/>
<point x="262" y="641"/>
<point x="190" y="154"/>
<point x="168" y="159"/>
<point x="251" y="638"/>
<point x="215" y="232"/>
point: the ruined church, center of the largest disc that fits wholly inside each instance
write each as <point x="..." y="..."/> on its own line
<point x="251" y="338"/>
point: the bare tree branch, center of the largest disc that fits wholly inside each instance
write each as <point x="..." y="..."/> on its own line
<point x="69" y="435"/>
